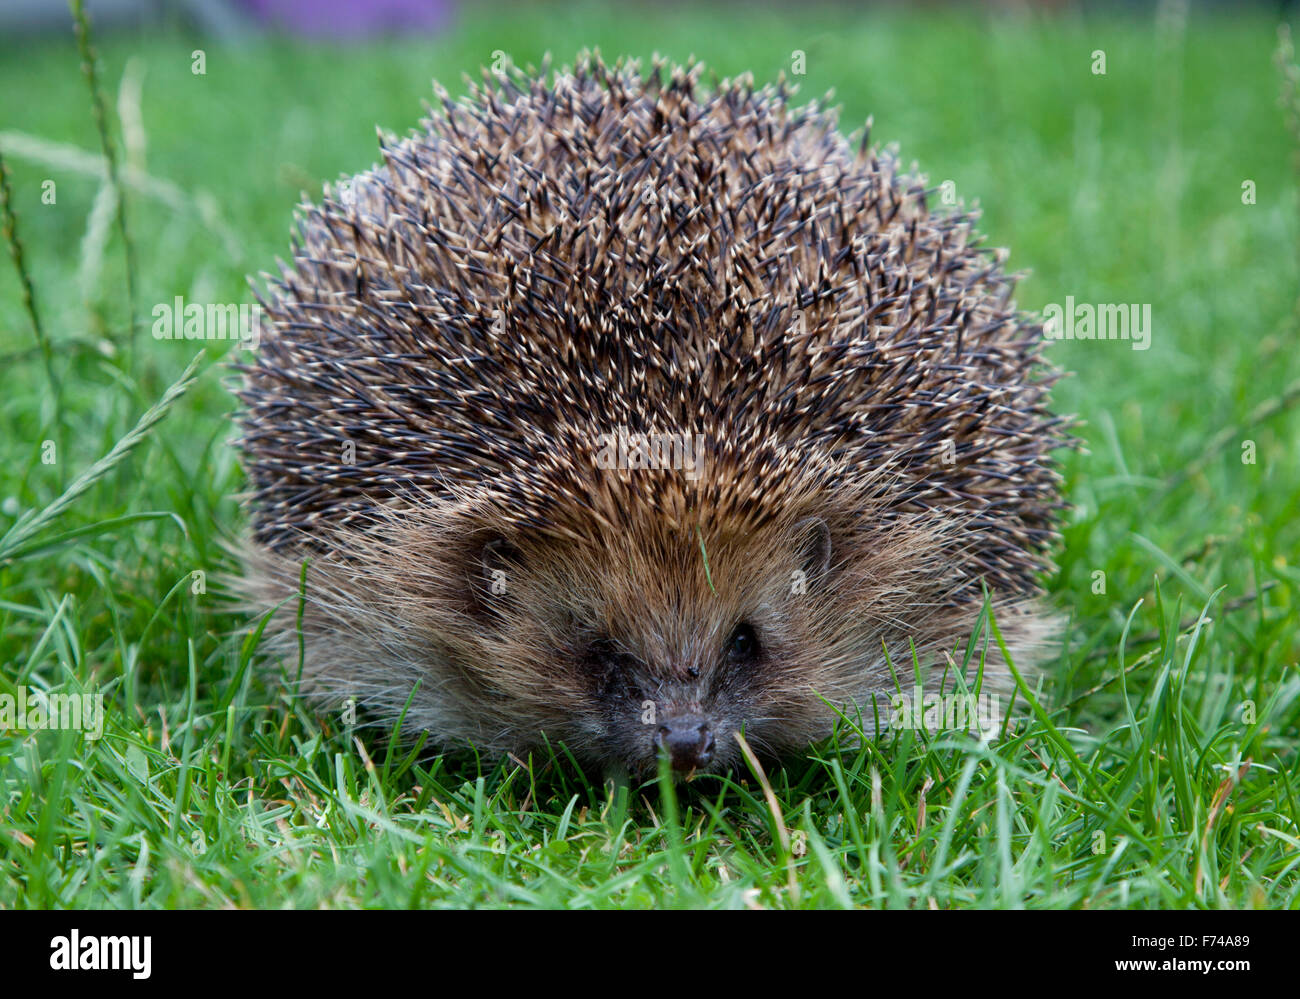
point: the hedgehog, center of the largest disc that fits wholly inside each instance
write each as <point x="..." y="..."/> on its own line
<point x="647" y="417"/>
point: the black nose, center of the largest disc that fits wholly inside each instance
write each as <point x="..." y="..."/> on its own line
<point x="689" y="742"/>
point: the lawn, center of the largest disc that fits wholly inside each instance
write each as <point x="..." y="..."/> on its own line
<point x="1155" y="768"/>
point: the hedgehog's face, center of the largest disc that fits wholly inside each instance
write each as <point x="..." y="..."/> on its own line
<point x="632" y="647"/>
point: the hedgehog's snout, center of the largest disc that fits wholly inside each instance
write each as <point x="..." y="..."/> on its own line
<point x="689" y="742"/>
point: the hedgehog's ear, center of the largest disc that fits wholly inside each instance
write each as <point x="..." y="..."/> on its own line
<point x="494" y="571"/>
<point x="813" y="547"/>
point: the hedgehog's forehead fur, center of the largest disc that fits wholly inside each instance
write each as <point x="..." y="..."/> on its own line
<point x="562" y="262"/>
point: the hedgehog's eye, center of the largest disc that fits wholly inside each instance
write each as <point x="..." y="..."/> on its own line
<point x="610" y="670"/>
<point x="605" y="654"/>
<point x="742" y="646"/>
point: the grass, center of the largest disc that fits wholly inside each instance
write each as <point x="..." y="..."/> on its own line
<point x="1155" y="771"/>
